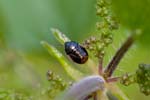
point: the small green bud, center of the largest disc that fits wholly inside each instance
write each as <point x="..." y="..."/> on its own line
<point x="127" y="79"/>
<point x="143" y="78"/>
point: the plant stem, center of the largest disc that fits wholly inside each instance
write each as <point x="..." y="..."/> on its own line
<point x="118" y="56"/>
<point x="95" y="96"/>
<point x="100" y="66"/>
<point x="112" y="79"/>
<point x="88" y="97"/>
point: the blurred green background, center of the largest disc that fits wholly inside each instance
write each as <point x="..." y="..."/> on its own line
<point x="23" y="24"/>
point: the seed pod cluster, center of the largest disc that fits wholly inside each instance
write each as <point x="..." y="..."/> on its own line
<point x="56" y="81"/>
<point x="127" y="79"/>
<point x="56" y="84"/>
<point x="104" y="12"/>
<point x="95" y="46"/>
<point x="105" y="27"/>
<point x="143" y="78"/>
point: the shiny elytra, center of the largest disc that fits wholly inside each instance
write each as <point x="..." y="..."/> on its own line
<point x="76" y="52"/>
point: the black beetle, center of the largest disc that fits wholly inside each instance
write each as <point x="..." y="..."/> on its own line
<point x="76" y="52"/>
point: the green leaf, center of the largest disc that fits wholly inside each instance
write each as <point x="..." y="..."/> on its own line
<point x="75" y="74"/>
<point x="59" y="36"/>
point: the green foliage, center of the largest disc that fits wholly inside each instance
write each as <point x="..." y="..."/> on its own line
<point x="24" y="63"/>
<point x="19" y="22"/>
<point x="75" y="74"/>
<point x="141" y="77"/>
<point x="57" y="85"/>
<point x="59" y="36"/>
<point x="105" y="27"/>
<point x="13" y="95"/>
<point x="134" y="14"/>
